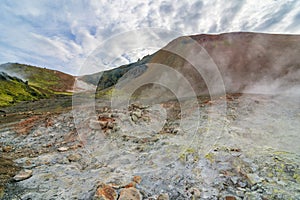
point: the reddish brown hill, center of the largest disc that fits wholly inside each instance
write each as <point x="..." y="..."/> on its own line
<point x="247" y="62"/>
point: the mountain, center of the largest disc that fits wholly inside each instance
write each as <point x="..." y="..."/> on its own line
<point x="246" y="63"/>
<point x="20" y="82"/>
<point x="110" y="77"/>
<point x="239" y="62"/>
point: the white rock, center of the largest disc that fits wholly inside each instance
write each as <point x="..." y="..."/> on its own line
<point x="22" y="175"/>
<point x="62" y="149"/>
<point x="134" y="118"/>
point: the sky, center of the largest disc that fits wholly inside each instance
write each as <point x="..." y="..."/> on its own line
<point x="65" y="34"/>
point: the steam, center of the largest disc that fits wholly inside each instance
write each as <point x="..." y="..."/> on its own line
<point x="281" y="74"/>
<point x="6" y="68"/>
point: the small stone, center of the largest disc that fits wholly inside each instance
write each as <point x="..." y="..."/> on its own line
<point x="110" y="125"/>
<point x="105" y="192"/>
<point x="254" y="179"/>
<point x="242" y="184"/>
<point x="130" y="194"/>
<point x="195" y="193"/>
<point x="62" y="149"/>
<point x="134" y="118"/>
<point x="74" y="157"/>
<point x="230" y="198"/>
<point x="7" y="148"/>
<point x="234" y="179"/>
<point x="37" y="134"/>
<point x="164" y="196"/>
<point x="103" y="123"/>
<point x="175" y="130"/>
<point x="22" y="175"/>
<point x="137" y="179"/>
<point x="137" y="113"/>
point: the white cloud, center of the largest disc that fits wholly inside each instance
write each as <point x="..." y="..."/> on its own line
<point x="64" y="33"/>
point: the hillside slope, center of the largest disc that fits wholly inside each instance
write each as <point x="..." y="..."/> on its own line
<point x="247" y="63"/>
<point x="110" y="77"/>
<point x="13" y="90"/>
<point x="20" y="82"/>
<point x="50" y="81"/>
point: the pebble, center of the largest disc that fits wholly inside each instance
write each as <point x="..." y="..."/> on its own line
<point x="130" y="194"/>
<point x="22" y="175"/>
<point x="164" y="196"/>
<point x="195" y="193"/>
<point x="62" y="149"/>
<point x="7" y="149"/>
<point x="254" y="179"/>
<point x="242" y="184"/>
<point x="234" y="179"/>
<point x="74" y="157"/>
<point x="134" y="118"/>
<point x="137" y="179"/>
<point x="137" y="113"/>
<point x="103" y="123"/>
<point x="230" y="198"/>
<point x="105" y="192"/>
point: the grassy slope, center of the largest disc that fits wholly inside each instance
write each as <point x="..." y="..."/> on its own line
<point x="13" y="90"/>
<point x="42" y="83"/>
<point x="49" y="81"/>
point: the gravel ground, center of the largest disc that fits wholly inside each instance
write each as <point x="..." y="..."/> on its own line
<point x="250" y="151"/>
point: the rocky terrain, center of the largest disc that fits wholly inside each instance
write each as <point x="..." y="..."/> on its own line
<point x="142" y="152"/>
<point x="205" y="117"/>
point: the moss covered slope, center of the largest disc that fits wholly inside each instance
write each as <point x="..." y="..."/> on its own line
<point x="50" y="81"/>
<point x="20" y="82"/>
<point x="13" y="90"/>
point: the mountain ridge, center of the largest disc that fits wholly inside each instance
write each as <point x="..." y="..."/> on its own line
<point x="248" y="63"/>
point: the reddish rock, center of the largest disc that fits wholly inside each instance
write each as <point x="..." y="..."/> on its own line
<point x="137" y="179"/>
<point x="105" y="192"/>
<point x="230" y="198"/>
<point x="131" y="184"/>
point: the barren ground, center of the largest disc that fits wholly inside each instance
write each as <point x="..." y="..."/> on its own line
<point x="250" y="151"/>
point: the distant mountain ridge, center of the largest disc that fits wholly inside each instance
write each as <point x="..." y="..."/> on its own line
<point x="247" y="62"/>
<point x="110" y="77"/>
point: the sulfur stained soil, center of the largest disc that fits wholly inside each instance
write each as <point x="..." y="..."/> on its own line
<point x="248" y="149"/>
